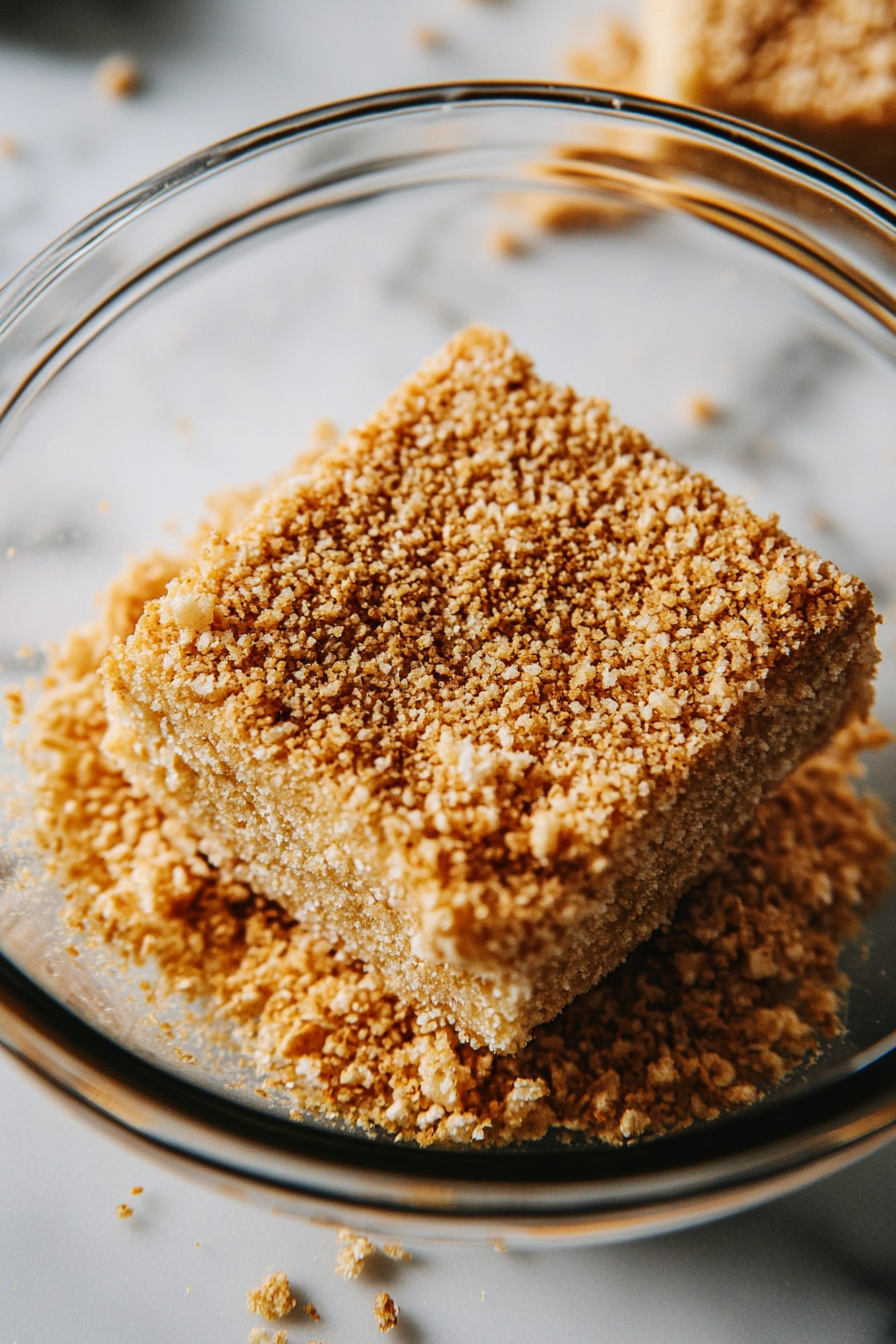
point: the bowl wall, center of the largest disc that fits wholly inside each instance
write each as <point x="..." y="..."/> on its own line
<point x="188" y="338"/>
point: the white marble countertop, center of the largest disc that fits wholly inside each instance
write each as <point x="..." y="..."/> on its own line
<point x="818" y="1266"/>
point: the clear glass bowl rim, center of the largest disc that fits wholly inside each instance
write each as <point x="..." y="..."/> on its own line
<point x="559" y="1196"/>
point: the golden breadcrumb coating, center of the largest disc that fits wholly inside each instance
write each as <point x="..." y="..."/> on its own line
<point x="481" y="692"/>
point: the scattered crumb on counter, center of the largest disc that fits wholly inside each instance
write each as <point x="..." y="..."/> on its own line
<point x="124" y="1211"/>
<point x="273" y="1298"/>
<point x="393" y="1250"/>
<point x="9" y="147"/>
<point x="429" y="37"/>
<point x="702" y="408"/>
<point x="183" y="428"/>
<point x="310" y="1310"/>
<point x="118" y="76"/>
<point x="258" y="1335"/>
<point x="385" y="1312"/>
<point x="137" y="1190"/>
<point x="354" y="1251"/>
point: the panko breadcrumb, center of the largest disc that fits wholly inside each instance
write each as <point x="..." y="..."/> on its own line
<point x="393" y="1250"/>
<point x="354" y="1251"/>
<point x="273" y="1298"/>
<point x="385" y="1312"/>
<point x="479" y="694"/>
<point x="706" y="1017"/>
<point x="124" y="1211"/>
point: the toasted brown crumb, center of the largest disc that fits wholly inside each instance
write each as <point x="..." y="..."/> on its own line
<point x="118" y="76"/>
<point x="386" y="1312"/>
<point x="124" y="1211"/>
<point x="273" y="1298"/>
<point x="15" y="705"/>
<point x="701" y="408"/>
<point x="706" y="1017"/>
<point x="137" y="1190"/>
<point x="393" y="1250"/>
<point x="310" y="1310"/>
<point x="354" y="1251"/>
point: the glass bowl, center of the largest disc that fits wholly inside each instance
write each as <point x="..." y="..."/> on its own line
<point x="186" y="338"/>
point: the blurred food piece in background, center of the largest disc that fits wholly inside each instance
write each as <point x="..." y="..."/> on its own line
<point x="118" y="76"/>
<point x="429" y="37"/>
<point x="820" y="71"/>
<point x="609" y="56"/>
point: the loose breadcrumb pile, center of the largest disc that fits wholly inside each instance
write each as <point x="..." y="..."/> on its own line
<point x="704" y="1018"/>
<point x="385" y="1312"/>
<point x="273" y="1298"/>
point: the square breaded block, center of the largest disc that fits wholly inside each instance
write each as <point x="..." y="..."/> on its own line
<point x="479" y="696"/>
<point x="822" y="71"/>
